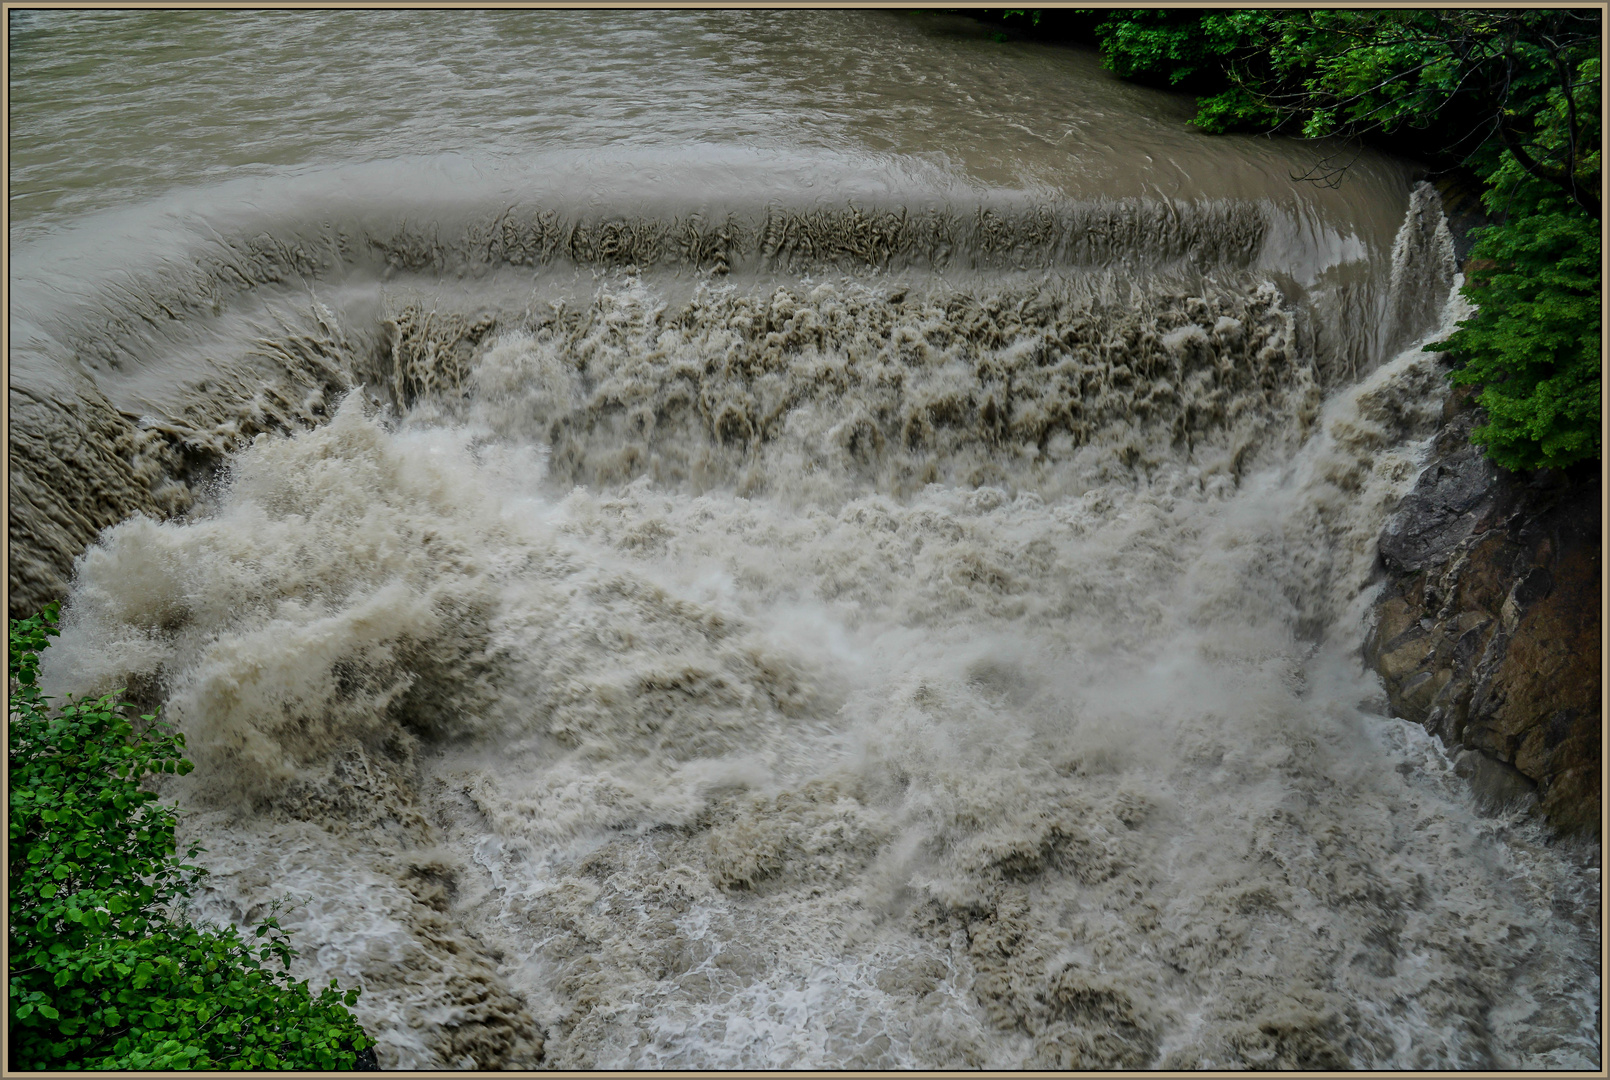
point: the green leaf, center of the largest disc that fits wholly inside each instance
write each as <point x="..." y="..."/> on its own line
<point x="83" y="765"/>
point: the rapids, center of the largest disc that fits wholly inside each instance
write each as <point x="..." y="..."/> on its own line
<point x="761" y="539"/>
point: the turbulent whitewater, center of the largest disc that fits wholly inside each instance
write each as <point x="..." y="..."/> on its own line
<point x="865" y="573"/>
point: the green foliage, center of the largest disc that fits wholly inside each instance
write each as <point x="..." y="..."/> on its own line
<point x="1533" y="344"/>
<point x="1206" y="51"/>
<point x="1350" y="72"/>
<point x="1512" y="95"/>
<point x="1477" y="79"/>
<point x="104" y="972"/>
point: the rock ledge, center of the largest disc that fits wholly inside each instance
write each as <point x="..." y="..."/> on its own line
<point x="1488" y="628"/>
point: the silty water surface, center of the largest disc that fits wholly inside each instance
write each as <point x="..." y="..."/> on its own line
<point x="792" y="539"/>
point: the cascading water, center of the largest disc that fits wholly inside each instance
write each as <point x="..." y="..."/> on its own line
<point x="780" y="591"/>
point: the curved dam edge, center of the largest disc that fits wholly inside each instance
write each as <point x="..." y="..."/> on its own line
<point x="118" y="331"/>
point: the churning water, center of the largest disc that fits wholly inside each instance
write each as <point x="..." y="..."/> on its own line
<point x="791" y="539"/>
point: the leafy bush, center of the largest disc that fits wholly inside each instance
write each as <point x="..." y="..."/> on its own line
<point x="1200" y="51"/>
<point x="105" y="974"/>
<point x="1533" y="344"/>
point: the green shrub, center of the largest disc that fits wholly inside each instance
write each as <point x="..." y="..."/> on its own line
<point x="1201" y="51"/>
<point x="1533" y="343"/>
<point x="105" y="973"/>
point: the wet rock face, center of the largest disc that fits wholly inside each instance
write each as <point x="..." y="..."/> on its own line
<point x="1488" y="631"/>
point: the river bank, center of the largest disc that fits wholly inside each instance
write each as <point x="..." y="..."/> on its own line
<point x="1487" y="629"/>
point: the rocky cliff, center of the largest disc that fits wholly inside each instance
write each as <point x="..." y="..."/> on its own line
<point x="1488" y="628"/>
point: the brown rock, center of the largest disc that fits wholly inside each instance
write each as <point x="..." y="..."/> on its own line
<point x="1408" y="653"/>
<point x="1545" y="697"/>
<point x="1488" y="629"/>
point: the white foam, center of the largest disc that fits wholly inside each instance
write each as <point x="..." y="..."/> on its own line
<point x="1068" y="771"/>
